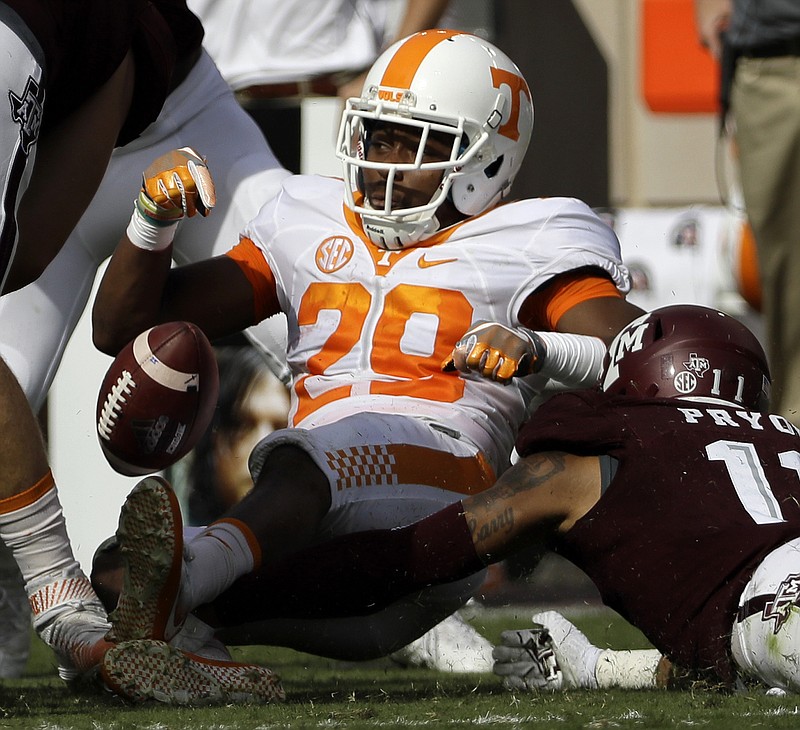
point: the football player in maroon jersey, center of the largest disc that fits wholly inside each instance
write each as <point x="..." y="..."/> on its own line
<point x="670" y="486"/>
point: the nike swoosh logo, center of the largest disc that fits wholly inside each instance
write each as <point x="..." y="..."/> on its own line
<point x="423" y="263"/>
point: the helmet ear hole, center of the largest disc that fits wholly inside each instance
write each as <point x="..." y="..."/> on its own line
<point x="493" y="168"/>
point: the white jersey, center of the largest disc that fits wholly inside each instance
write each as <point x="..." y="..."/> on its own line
<point x="369" y="328"/>
<point x="268" y="42"/>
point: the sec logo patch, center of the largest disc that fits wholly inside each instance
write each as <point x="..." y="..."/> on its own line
<point x="333" y="253"/>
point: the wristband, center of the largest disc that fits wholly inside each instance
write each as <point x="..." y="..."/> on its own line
<point x="150" y="234"/>
<point x="573" y="360"/>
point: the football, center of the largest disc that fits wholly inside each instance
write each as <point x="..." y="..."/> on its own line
<point x="157" y="398"/>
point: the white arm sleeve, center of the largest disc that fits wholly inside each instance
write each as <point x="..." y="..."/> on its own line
<point x="573" y="360"/>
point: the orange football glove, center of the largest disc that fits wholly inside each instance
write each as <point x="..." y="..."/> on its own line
<point x="496" y="352"/>
<point x="177" y="185"/>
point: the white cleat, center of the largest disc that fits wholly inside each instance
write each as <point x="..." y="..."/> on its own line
<point x="148" y="670"/>
<point x="452" y="645"/>
<point x="71" y="620"/>
<point x="150" y="535"/>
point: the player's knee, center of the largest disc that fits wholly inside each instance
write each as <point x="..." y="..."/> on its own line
<point x="291" y="468"/>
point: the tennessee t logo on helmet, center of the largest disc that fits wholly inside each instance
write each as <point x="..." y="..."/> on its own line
<point x="438" y="84"/>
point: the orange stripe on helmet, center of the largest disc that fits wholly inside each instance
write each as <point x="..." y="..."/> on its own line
<point x="401" y="69"/>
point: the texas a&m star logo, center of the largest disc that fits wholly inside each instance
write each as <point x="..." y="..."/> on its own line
<point x="686" y="380"/>
<point x="698" y="365"/>
<point x="786" y="597"/>
<point x="26" y="110"/>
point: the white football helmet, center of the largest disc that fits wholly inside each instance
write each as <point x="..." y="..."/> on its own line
<point x="438" y="81"/>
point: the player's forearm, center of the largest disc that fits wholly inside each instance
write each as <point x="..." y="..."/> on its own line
<point x="129" y="297"/>
<point x="500" y="353"/>
<point x="575" y="361"/>
<point x="541" y="496"/>
<point x="175" y="186"/>
<point x="517" y="511"/>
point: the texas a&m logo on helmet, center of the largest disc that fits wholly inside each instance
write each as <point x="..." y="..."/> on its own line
<point x="686" y="350"/>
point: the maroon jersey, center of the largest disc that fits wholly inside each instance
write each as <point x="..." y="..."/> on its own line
<point x="84" y="41"/>
<point x="701" y="495"/>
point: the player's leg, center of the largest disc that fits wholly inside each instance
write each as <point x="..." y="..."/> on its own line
<point x="163" y="582"/>
<point x="51" y="307"/>
<point x="374" y="567"/>
<point x="70" y="162"/>
<point x="358" y="573"/>
<point x="766" y="109"/>
<point x="362" y="573"/>
<point x="44" y="308"/>
<point x="384" y="471"/>
<point x="354" y="465"/>
<point x="320" y="614"/>
<point x="377" y="567"/>
<point x="379" y="634"/>
<point x="766" y="632"/>
<point x="67" y="614"/>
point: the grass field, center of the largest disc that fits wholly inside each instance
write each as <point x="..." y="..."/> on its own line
<point x="327" y="694"/>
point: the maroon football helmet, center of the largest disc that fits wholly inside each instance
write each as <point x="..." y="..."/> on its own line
<point x="688" y="351"/>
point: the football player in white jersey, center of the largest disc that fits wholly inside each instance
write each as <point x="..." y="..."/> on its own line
<point x="379" y="275"/>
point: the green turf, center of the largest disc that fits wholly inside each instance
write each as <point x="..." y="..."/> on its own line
<point x="328" y="694"/>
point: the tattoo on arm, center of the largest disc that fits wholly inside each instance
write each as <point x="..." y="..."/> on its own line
<point x="531" y="472"/>
<point x="493" y="510"/>
<point x="484" y="529"/>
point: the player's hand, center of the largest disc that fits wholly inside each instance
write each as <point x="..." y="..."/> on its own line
<point x="526" y="661"/>
<point x="177" y="185"/>
<point x="496" y="352"/>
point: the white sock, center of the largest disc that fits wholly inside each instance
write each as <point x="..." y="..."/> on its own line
<point x="223" y="552"/>
<point x="635" y="669"/>
<point x="33" y="528"/>
<point x="37" y="536"/>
